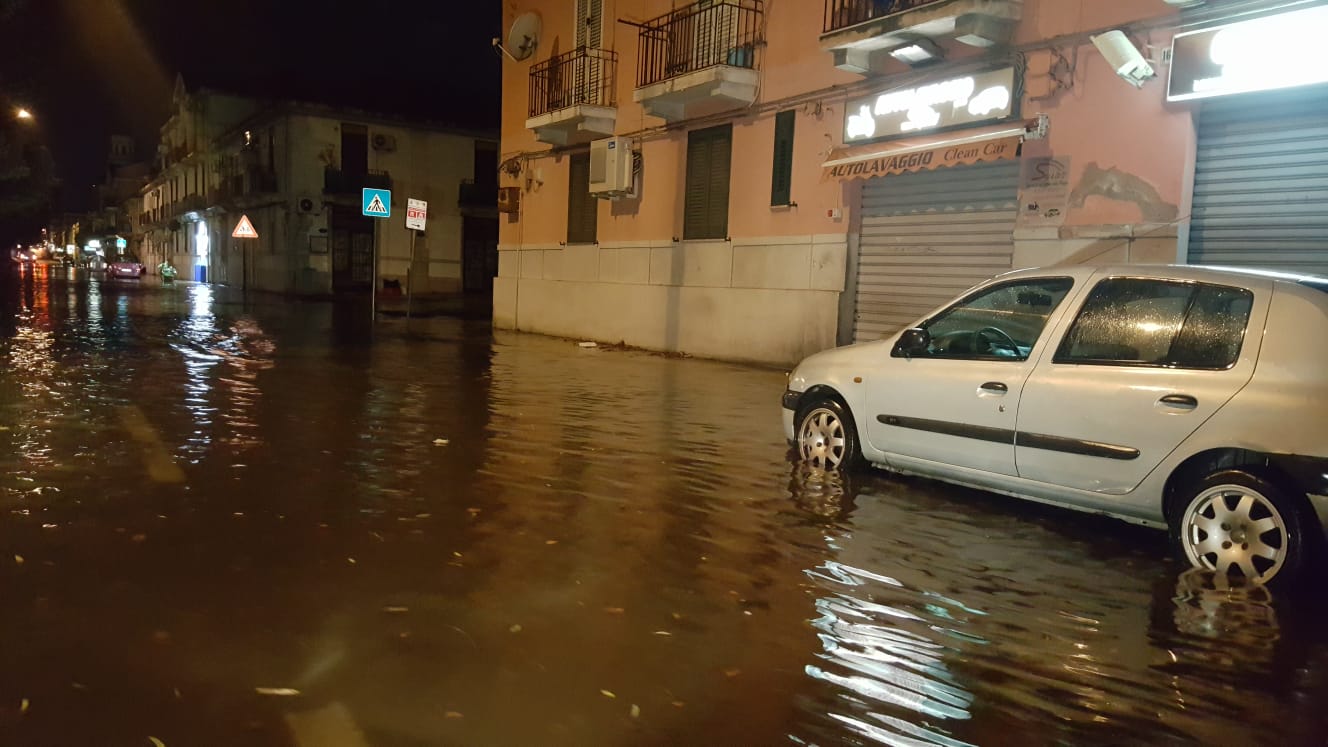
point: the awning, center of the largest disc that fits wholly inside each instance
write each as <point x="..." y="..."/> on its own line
<point x="899" y="156"/>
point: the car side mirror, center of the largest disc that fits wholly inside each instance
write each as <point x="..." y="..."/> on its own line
<point x="915" y="341"/>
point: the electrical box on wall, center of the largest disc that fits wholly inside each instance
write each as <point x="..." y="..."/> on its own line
<point x="611" y="167"/>
<point x="509" y="199"/>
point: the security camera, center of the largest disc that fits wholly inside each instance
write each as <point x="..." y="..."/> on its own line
<point x="1124" y="57"/>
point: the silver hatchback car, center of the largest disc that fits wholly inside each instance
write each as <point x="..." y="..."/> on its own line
<point x="1178" y="397"/>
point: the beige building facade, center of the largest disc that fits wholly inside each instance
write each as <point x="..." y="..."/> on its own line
<point x="807" y="174"/>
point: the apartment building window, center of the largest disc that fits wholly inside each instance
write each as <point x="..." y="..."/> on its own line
<point x="582" y="208"/>
<point x="706" y="204"/>
<point x="781" y="178"/>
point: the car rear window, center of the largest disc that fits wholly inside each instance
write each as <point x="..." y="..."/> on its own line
<point x="1149" y="322"/>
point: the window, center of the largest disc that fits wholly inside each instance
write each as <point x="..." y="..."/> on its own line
<point x="1129" y="321"/>
<point x="781" y="178"/>
<point x="582" y="208"/>
<point x="1001" y="322"/>
<point x="706" y="204"/>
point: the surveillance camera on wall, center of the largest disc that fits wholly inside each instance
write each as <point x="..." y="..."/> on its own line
<point x="1124" y="57"/>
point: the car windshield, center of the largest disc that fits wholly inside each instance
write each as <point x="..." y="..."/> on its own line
<point x="129" y="258"/>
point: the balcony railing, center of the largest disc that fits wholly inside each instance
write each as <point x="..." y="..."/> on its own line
<point x="581" y="77"/>
<point x="699" y="36"/>
<point x="840" y="14"/>
<point x="478" y="196"/>
<point x="338" y="182"/>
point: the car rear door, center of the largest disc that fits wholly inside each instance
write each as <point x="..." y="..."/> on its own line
<point x="1142" y="365"/>
<point x="955" y="404"/>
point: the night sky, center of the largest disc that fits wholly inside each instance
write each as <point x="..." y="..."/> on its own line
<point x="90" y="68"/>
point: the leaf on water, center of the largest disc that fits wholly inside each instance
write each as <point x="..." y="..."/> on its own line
<point x="614" y="610"/>
<point x="24" y="705"/>
<point x="156" y="742"/>
<point x="473" y="511"/>
<point x="283" y="692"/>
<point x="636" y="711"/>
<point x="456" y="554"/>
<point x="440" y="442"/>
<point x="396" y="610"/>
<point x="514" y="629"/>
<point x="678" y="704"/>
<point x="550" y="542"/>
<point x="607" y="694"/>
<point x="18" y="559"/>
<point x="732" y="672"/>
<point x="453" y="714"/>
<point x="662" y="632"/>
<point x="423" y="516"/>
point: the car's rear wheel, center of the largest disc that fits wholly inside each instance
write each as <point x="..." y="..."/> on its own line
<point x="826" y="436"/>
<point x="1240" y="524"/>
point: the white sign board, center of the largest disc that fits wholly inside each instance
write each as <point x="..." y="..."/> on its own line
<point x="965" y="100"/>
<point x="417" y="212"/>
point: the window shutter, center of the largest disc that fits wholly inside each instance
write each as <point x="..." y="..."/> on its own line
<point x="582" y="209"/>
<point x="781" y="179"/>
<point x="706" y="204"/>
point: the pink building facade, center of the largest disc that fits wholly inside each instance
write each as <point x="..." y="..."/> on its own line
<point x="758" y="181"/>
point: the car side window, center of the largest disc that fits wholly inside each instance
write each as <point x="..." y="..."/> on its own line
<point x="1002" y="322"/>
<point x="1133" y="321"/>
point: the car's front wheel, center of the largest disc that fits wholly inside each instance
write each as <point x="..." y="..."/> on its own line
<point x="827" y="437"/>
<point x="1240" y="524"/>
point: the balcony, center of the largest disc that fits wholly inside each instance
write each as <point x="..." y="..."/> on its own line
<point x="573" y="96"/>
<point x="338" y="182"/>
<point x="859" y="34"/>
<point x="480" y="197"/>
<point x="188" y="204"/>
<point x="700" y="59"/>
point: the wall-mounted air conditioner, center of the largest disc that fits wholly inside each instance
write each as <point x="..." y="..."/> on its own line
<point x="384" y="142"/>
<point x="611" y="167"/>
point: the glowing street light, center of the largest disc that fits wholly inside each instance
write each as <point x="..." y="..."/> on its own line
<point x="22" y="113"/>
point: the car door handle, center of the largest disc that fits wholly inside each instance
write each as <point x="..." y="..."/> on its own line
<point x="1179" y="401"/>
<point x="994" y="387"/>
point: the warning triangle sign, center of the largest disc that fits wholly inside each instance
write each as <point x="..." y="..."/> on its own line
<point x="244" y="229"/>
<point x="376" y="207"/>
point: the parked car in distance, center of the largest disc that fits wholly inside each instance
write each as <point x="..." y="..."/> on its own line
<point x="126" y="266"/>
<point x="1178" y="397"/>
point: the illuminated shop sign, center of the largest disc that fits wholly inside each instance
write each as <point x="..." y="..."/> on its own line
<point x="1280" y="51"/>
<point x="965" y="100"/>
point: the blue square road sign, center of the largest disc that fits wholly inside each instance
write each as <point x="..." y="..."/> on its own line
<point x="377" y="203"/>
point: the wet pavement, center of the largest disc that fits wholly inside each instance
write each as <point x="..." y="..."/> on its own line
<point x="231" y="521"/>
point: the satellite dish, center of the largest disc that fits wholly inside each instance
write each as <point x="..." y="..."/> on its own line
<point x="524" y="36"/>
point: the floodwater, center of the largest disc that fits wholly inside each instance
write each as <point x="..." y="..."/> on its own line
<point x="253" y="521"/>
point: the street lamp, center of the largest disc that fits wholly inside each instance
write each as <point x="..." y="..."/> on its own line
<point x="22" y="113"/>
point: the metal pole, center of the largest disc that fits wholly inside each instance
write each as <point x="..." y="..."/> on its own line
<point x="373" y="282"/>
<point x="410" y="273"/>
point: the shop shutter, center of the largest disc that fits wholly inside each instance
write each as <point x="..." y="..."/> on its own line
<point x="582" y="208"/>
<point x="706" y="204"/>
<point x="1261" y="181"/>
<point x="926" y="237"/>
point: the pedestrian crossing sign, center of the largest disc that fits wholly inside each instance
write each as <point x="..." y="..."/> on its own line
<point x="377" y="203"/>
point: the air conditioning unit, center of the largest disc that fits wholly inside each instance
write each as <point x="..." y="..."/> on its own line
<point x="306" y="205"/>
<point x="611" y="167"/>
<point x="385" y="142"/>
<point x="509" y="199"/>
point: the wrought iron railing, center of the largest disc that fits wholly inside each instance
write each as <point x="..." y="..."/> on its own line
<point x="581" y="77"/>
<point x="338" y="182"/>
<point x="697" y="36"/>
<point x="840" y="14"/>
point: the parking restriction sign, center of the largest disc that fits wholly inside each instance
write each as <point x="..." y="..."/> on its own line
<point x="417" y="212"/>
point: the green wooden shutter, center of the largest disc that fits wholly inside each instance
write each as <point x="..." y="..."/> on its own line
<point x="781" y="179"/>
<point x="582" y="209"/>
<point x="706" y="204"/>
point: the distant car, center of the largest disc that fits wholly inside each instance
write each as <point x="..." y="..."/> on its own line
<point x="1180" y="397"/>
<point x="127" y="266"/>
<point x="20" y="255"/>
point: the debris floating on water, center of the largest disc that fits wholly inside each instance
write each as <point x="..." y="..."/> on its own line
<point x="514" y="629"/>
<point x="283" y="692"/>
<point x="440" y="442"/>
<point x="636" y="711"/>
<point x="607" y="694"/>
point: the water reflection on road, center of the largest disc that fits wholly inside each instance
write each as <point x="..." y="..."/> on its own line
<point x="254" y="521"/>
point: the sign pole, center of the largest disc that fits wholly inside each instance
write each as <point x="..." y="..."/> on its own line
<point x="373" y="274"/>
<point x="410" y="273"/>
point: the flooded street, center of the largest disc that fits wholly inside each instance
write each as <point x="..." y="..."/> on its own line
<point x="230" y="520"/>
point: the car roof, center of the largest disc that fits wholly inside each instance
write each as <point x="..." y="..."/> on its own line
<point x="1212" y="273"/>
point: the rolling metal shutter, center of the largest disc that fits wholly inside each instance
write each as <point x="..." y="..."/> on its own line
<point x="1261" y="182"/>
<point x="926" y="237"/>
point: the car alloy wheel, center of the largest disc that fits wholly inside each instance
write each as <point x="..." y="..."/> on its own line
<point x="826" y="436"/>
<point x="1241" y="525"/>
